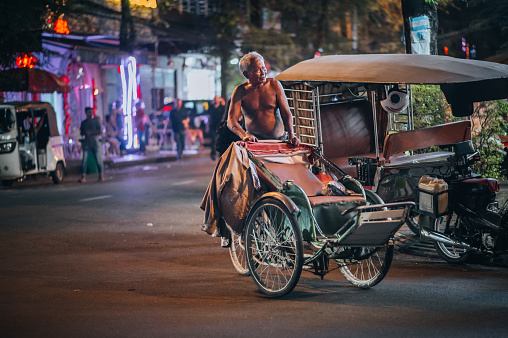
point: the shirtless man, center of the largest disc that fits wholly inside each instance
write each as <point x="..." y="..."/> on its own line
<point x="263" y="104"/>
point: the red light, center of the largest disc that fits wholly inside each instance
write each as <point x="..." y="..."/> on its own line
<point x="26" y="60"/>
<point x="446" y="50"/>
<point x="61" y="26"/>
<point x="167" y="108"/>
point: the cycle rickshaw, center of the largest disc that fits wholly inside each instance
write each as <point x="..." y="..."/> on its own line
<point x="337" y="106"/>
<point x="292" y="225"/>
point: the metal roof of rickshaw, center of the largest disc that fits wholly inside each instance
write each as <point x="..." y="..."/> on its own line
<point x="462" y="81"/>
<point x="394" y="68"/>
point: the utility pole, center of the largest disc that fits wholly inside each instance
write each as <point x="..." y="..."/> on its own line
<point x="420" y="26"/>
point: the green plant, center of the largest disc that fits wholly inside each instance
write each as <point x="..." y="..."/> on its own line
<point x="487" y="124"/>
<point x="430" y="108"/>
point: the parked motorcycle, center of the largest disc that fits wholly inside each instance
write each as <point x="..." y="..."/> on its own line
<point x="472" y="220"/>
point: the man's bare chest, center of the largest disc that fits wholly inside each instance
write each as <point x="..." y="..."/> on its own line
<point x="260" y="99"/>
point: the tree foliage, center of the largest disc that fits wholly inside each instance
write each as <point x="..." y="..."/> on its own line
<point x="21" y="26"/>
<point x="487" y="123"/>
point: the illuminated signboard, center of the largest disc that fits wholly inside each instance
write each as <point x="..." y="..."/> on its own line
<point x="144" y="3"/>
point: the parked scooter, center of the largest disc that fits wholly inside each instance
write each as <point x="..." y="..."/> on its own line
<point x="465" y="218"/>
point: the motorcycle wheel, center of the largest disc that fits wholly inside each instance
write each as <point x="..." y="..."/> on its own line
<point x="451" y="225"/>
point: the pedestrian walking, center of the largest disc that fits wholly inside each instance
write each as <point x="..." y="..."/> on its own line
<point x="91" y="129"/>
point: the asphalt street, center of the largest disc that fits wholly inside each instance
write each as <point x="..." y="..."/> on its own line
<point x="126" y="258"/>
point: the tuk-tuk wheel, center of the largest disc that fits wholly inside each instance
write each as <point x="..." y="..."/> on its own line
<point x="58" y="174"/>
<point x="7" y="183"/>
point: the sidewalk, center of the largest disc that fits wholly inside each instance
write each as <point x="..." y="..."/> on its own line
<point x="74" y="165"/>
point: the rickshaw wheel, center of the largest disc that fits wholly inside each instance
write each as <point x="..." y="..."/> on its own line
<point x="237" y="253"/>
<point x="372" y="264"/>
<point x="58" y="174"/>
<point x="371" y="267"/>
<point x="274" y="247"/>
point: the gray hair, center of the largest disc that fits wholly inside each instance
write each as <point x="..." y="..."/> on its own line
<point x="247" y="59"/>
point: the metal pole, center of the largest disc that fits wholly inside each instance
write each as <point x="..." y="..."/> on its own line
<point x="374" y="116"/>
<point x="317" y="113"/>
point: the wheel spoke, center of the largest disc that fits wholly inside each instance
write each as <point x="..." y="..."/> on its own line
<point x="371" y="268"/>
<point x="274" y="249"/>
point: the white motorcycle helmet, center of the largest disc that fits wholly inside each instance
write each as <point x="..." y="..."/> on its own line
<point x="396" y="101"/>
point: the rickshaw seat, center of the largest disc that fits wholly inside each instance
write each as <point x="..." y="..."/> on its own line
<point x="444" y="134"/>
<point x="299" y="174"/>
<point x="309" y="183"/>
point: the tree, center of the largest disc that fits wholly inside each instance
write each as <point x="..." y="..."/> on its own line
<point x="417" y="8"/>
<point x="21" y="26"/>
<point x="127" y="32"/>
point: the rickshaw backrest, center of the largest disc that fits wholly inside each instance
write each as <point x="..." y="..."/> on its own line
<point x="288" y="163"/>
<point x="299" y="174"/>
<point x="347" y="129"/>
<point x="449" y="133"/>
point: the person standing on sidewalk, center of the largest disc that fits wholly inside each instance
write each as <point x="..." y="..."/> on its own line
<point x="139" y="121"/>
<point x="91" y="129"/>
<point x="216" y="115"/>
<point x="177" y="116"/>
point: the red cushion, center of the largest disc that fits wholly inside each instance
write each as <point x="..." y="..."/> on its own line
<point x="300" y="175"/>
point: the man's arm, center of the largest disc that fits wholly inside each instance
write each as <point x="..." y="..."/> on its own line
<point x="285" y="113"/>
<point x="235" y="113"/>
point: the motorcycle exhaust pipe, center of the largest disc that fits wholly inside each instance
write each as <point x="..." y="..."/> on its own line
<point x="438" y="237"/>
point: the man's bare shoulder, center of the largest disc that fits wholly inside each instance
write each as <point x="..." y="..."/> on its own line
<point x="241" y="87"/>
<point x="273" y="83"/>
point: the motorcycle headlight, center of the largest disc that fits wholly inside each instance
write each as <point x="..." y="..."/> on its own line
<point x="7" y="147"/>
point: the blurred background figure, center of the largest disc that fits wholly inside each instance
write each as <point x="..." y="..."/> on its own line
<point x="178" y="115"/>
<point x="91" y="129"/>
<point x="117" y="119"/>
<point x="139" y="122"/>
<point x="216" y="115"/>
<point x="111" y="136"/>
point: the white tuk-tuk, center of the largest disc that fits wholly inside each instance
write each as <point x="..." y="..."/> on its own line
<point x="29" y="142"/>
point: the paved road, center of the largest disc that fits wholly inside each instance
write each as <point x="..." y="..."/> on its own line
<point x="126" y="258"/>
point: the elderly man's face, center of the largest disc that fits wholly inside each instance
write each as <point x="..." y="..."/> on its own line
<point x="257" y="73"/>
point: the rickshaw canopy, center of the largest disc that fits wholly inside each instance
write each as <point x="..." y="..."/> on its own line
<point x="462" y="81"/>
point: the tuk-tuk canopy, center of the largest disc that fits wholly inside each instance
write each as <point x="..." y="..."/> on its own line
<point x="463" y="81"/>
<point x="31" y="105"/>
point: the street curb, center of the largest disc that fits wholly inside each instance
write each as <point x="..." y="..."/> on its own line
<point x="73" y="166"/>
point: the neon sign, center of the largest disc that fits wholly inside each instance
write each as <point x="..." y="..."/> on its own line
<point x="129" y="96"/>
